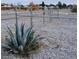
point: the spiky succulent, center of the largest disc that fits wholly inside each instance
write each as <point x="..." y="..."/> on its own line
<point x="22" y="41"/>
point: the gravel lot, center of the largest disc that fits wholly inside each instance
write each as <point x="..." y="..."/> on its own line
<point x="60" y="37"/>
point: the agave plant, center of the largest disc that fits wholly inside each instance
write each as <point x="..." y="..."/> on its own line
<point x="22" y="41"/>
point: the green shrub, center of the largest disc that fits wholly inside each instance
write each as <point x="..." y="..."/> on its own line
<point x="74" y="9"/>
<point x="22" y="42"/>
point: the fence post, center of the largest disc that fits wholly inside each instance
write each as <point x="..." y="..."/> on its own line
<point x="31" y="22"/>
<point x="15" y="9"/>
<point x="50" y="17"/>
<point x="43" y="8"/>
<point x="43" y="16"/>
<point x="58" y="13"/>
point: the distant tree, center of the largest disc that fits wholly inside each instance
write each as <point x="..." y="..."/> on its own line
<point x="74" y="9"/>
<point x="52" y="5"/>
<point x="2" y="4"/>
<point x="22" y="6"/>
<point x="43" y="5"/>
<point x="70" y="6"/>
<point x="46" y="5"/>
<point x="40" y="4"/>
<point x="12" y="5"/>
<point x="64" y="5"/>
<point x="59" y="4"/>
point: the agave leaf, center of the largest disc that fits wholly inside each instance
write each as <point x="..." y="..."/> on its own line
<point x="30" y="35"/>
<point x="9" y="42"/>
<point x="22" y="30"/>
<point x="31" y="38"/>
<point x="32" y="42"/>
<point x="22" y="34"/>
<point x="17" y="34"/>
<point x="6" y="47"/>
<point x="13" y="40"/>
<point x="10" y="32"/>
<point x="26" y="35"/>
<point x="35" y="38"/>
<point x="11" y="45"/>
<point x="20" y="48"/>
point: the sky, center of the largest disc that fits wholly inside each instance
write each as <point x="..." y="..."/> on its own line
<point x="26" y="2"/>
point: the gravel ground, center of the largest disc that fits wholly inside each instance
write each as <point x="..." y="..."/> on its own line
<point x="60" y="38"/>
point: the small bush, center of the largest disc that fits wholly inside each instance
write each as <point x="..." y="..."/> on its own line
<point x="74" y="9"/>
<point x="22" y="42"/>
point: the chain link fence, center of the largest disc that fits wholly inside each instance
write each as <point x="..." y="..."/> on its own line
<point x="34" y="17"/>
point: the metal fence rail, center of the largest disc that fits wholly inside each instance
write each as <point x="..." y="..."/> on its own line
<point x="40" y="17"/>
<point x="36" y="14"/>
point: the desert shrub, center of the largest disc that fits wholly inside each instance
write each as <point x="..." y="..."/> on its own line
<point x="22" y="41"/>
<point x="74" y="9"/>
